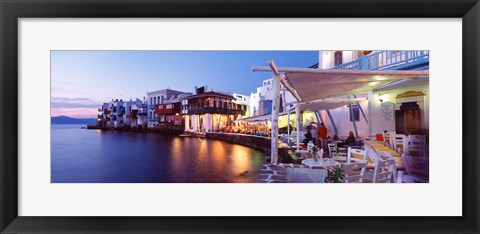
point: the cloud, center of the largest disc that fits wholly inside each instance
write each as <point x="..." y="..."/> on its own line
<point x="75" y="112"/>
<point x="63" y="102"/>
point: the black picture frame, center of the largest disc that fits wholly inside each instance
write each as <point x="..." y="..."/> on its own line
<point x="11" y="11"/>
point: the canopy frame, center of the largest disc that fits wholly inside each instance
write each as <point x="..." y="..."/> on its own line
<point x="395" y="75"/>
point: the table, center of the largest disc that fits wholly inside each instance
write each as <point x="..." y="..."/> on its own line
<point x="325" y="162"/>
<point x="322" y="163"/>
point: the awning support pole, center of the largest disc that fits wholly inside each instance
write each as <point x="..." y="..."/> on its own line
<point x="333" y="122"/>
<point x="352" y="118"/>
<point x="361" y="109"/>
<point x="319" y="116"/>
<point x="288" y="127"/>
<point x="275" y="108"/>
<point x="297" y="116"/>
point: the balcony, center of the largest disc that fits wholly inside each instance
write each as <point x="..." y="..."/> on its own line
<point x="151" y="106"/>
<point x="213" y="110"/>
<point x="389" y="60"/>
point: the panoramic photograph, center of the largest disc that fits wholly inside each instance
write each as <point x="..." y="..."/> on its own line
<point x="336" y="116"/>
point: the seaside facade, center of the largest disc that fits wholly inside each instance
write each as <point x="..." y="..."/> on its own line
<point x="119" y="113"/>
<point x="163" y="96"/>
<point x="169" y="114"/>
<point x="400" y="107"/>
<point x="210" y="111"/>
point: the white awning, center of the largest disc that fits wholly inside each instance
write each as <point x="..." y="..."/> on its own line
<point x="255" y="118"/>
<point x="315" y="84"/>
<point x="321" y="106"/>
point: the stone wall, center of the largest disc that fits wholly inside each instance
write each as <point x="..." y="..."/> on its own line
<point x="262" y="144"/>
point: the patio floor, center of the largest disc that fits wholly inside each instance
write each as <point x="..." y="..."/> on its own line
<point x="289" y="173"/>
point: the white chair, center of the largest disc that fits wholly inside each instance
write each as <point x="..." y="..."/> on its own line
<point x="335" y="155"/>
<point x="320" y="154"/>
<point x="392" y="137"/>
<point x="354" y="172"/>
<point x="386" y="138"/>
<point x="332" y="149"/>
<point x="417" y="167"/>
<point x="399" y="143"/>
<point x="416" y="145"/>
<point x="388" y="155"/>
<point x="383" y="171"/>
<point x="356" y="155"/>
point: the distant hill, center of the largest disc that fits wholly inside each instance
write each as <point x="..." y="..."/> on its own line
<point x="70" y="120"/>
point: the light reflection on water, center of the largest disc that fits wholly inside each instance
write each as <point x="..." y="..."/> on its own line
<point x="90" y="156"/>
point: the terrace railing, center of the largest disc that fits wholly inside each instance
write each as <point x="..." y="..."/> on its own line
<point x="387" y="60"/>
<point x="213" y="110"/>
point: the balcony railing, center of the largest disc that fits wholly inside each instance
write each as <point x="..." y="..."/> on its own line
<point x="387" y="60"/>
<point x="213" y="110"/>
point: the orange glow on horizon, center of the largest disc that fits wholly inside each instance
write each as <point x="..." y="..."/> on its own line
<point x="75" y="112"/>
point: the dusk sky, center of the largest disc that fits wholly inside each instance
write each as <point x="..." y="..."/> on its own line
<point x="82" y="80"/>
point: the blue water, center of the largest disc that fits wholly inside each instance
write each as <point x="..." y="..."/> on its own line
<point x="95" y="156"/>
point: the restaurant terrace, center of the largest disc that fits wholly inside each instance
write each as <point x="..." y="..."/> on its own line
<point x="382" y="156"/>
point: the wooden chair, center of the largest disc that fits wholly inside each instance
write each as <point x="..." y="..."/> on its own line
<point x="383" y="171"/>
<point x="332" y="149"/>
<point x="416" y="145"/>
<point x="386" y="138"/>
<point x="335" y="155"/>
<point x="399" y="143"/>
<point x="417" y="167"/>
<point x="392" y="138"/>
<point x="320" y="154"/>
<point x="354" y="172"/>
<point x="356" y="155"/>
<point x="388" y="155"/>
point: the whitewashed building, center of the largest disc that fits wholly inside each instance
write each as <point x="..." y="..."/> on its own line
<point x="400" y="106"/>
<point x="163" y="96"/>
<point x="243" y="101"/>
<point x="261" y="100"/>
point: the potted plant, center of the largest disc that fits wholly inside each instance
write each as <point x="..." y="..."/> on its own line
<point x="335" y="175"/>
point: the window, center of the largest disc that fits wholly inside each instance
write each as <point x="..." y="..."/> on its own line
<point x="356" y="113"/>
<point x="338" y="56"/>
<point x="169" y="106"/>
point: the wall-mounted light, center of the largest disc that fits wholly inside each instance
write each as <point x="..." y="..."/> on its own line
<point x="380" y="98"/>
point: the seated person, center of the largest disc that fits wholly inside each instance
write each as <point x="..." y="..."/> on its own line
<point x="308" y="138"/>
<point x="351" y="138"/>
